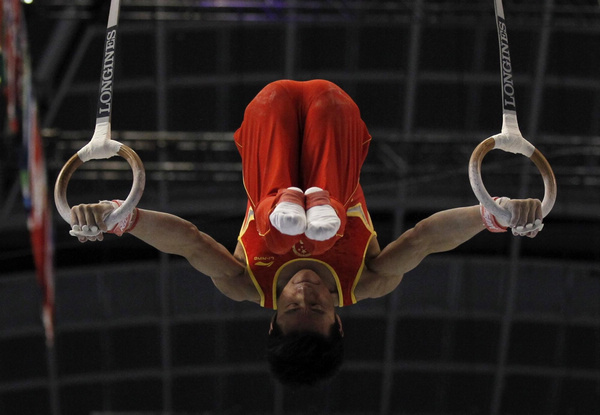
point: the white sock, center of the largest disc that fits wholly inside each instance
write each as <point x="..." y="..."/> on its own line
<point x="322" y="221"/>
<point x="289" y="218"/>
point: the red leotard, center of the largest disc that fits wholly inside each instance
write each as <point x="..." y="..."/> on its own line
<point x="303" y="134"/>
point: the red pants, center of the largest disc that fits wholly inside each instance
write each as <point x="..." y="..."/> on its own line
<point x="300" y="134"/>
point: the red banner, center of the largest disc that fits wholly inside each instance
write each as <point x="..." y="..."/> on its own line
<point x="40" y="216"/>
<point x="12" y="48"/>
<point x="22" y="115"/>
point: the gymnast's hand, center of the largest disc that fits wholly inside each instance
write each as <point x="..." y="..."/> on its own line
<point x="87" y="221"/>
<point x="525" y="216"/>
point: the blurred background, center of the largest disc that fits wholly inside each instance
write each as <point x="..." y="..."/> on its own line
<point x="502" y="325"/>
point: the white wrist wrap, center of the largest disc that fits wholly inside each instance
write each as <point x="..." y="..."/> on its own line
<point x="491" y="223"/>
<point x="127" y="223"/>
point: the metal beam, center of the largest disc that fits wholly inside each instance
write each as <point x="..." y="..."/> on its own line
<point x="63" y="90"/>
<point x="55" y="52"/>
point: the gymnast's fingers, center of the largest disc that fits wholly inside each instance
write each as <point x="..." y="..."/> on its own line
<point x="90" y="219"/>
<point x="530" y="234"/>
<point x="539" y="214"/>
<point x="527" y="217"/>
<point x="98" y="237"/>
<point x="534" y="211"/>
<point x="77" y="217"/>
<point x="84" y="222"/>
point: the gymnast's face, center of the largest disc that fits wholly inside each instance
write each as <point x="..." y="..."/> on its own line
<point x="305" y="304"/>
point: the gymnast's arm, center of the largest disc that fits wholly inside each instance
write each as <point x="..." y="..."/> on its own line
<point x="441" y="232"/>
<point x="173" y="235"/>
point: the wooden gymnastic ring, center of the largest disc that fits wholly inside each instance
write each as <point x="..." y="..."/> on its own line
<point x="484" y="197"/>
<point x="135" y="194"/>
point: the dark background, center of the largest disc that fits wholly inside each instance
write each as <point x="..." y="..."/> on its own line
<point x="501" y="325"/>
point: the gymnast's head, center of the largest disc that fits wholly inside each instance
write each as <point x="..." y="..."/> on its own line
<point x="305" y="337"/>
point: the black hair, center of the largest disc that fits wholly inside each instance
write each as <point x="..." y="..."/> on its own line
<point x="304" y="357"/>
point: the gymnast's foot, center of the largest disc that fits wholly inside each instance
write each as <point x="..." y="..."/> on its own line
<point x="322" y="221"/>
<point x="289" y="217"/>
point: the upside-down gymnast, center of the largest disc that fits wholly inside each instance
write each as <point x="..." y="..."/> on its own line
<point x="307" y="244"/>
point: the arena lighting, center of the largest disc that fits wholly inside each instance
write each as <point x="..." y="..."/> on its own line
<point x="27" y="1"/>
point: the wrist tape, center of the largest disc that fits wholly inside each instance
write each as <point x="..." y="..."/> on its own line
<point x="128" y="223"/>
<point x="490" y="221"/>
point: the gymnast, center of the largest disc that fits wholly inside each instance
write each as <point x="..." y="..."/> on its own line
<point x="307" y="243"/>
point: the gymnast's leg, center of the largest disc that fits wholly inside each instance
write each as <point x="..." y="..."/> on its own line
<point x="269" y="143"/>
<point x="334" y="146"/>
